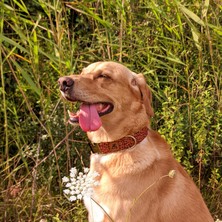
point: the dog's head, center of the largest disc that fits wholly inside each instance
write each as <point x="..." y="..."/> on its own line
<point x="114" y="101"/>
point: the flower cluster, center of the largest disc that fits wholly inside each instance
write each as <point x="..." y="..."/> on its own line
<point x="79" y="185"/>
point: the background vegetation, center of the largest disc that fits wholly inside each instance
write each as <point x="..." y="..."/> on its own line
<point x="177" y="45"/>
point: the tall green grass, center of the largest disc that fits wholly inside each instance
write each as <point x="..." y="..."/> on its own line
<point x="176" y="45"/>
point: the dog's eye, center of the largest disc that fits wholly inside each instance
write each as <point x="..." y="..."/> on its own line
<point x="102" y="76"/>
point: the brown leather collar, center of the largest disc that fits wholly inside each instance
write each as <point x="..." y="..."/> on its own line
<point x="121" y="144"/>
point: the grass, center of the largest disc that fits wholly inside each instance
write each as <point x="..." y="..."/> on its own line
<point x="176" y="45"/>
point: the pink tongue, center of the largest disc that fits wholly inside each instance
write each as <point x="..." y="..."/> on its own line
<point x="89" y="119"/>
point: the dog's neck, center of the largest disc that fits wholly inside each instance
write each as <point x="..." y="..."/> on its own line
<point x="124" y="143"/>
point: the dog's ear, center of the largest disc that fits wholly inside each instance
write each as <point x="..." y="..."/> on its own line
<point x="145" y="94"/>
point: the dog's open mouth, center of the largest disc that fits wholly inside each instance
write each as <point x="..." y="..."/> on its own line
<point x="89" y="115"/>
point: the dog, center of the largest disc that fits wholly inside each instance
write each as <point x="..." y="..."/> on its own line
<point x="139" y="180"/>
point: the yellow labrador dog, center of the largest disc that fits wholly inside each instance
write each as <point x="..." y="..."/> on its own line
<point x="140" y="181"/>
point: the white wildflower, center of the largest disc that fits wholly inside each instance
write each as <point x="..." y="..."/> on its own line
<point x="73" y="171"/>
<point x="95" y="174"/>
<point x="79" y="196"/>
<point x="72" y="187"/>
<point x="72" y="198"/>
<point x="66" y="191"/>
<point x="86" y="170"/>
<point x="72" y="192"/>
<point x="44" y="137"/>
<point x="73" y="180"/>
<point x="79" y="185"/>
<point x="96" y="183"/>
<point x="78" y="191"/>
<point x="65" y="179"/>
<point x="68" y="185"/>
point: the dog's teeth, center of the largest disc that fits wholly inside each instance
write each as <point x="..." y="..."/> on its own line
<point x="71" y="114"/>
<point x="99" y="107"/>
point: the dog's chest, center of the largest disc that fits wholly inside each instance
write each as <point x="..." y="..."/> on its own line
<point x="111" y="198"/>
<point x="103" y="202"/>
<point x="122" y="178"/>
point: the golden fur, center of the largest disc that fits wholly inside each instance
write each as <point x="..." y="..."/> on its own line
<point x="140" y="171"/>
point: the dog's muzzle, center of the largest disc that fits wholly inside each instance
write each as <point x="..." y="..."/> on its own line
<point x="89" y="114"/>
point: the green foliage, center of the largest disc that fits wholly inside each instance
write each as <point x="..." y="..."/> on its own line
<point x="176" y="45"/>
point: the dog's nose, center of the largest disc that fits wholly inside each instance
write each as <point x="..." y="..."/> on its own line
<point x="65" y="83"/>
